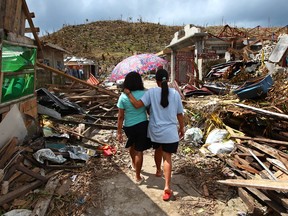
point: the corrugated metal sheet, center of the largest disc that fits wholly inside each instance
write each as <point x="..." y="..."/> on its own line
<point x="279" y="49"/>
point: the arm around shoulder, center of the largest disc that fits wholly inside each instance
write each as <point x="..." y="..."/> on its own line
<point x="136" y="103"/>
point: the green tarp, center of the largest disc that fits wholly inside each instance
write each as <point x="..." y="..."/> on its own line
<point x="17" y="86"/>
<point x="17" y="58"/>
<point x="21" y="60"/>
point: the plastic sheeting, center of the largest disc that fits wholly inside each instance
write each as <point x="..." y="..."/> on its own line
<point x="12" y="126"/>
<point x="279" y="49"/>
<point x="47" y="154"/>
<point x="17" y="86"/>
<point x="16" y="58"/>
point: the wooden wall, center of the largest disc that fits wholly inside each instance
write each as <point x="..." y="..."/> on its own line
<point x="45" y="77"/>
<point x="12" y="17"/>
<point x="12" y="30"/>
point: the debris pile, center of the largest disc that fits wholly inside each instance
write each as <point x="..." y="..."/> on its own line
<point x="258" y="162"/>
<point x="58" y="150"/>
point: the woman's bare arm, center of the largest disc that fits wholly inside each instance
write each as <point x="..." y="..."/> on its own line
<point x="120" y="125"/>
<point x="136" y="103"/>
<point x="181" y="130"/>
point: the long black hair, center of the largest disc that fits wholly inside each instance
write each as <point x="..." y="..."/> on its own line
<point x="133" y="81"/>
<point x="162" y="76"/>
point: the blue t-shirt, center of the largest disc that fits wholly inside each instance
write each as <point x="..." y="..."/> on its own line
<point x="132" y="116"/>
<point x="163" y="122"/>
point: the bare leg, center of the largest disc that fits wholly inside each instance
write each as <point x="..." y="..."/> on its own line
<point x="167" y="164"/>
<point x="138" y="164"/>
<point x="158" y="161"/>
<point x="132" y="155"/>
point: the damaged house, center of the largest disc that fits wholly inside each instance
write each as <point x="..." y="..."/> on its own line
<point x="53" y="56"/>
<point x="18" y="58"/>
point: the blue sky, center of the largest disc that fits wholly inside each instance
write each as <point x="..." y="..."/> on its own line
<point x="51" y="15"/>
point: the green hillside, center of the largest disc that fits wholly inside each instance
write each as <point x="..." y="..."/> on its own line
<point x="109" y="42"/>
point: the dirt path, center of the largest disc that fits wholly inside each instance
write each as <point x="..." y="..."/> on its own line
<point x="124" y="197"/>
<point x="121" y="196"/>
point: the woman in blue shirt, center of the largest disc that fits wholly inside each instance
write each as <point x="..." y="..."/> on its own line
<point x="165" y="114"/>
<point x="134" y="121"/>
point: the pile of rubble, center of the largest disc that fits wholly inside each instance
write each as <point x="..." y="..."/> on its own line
<point x="58" y="150"/>
<point x="76" y="132"/>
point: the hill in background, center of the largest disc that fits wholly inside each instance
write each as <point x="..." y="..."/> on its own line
<point x="109" y="42"/>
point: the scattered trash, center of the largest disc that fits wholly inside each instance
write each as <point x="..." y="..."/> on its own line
<point x="76" y="152"/>
<point x="48" y="154"/>
<point x="18" y="212"/>
<point x="73" y="178"/>
<point x="222" y="147"/>
<point x="217" y="136"/>
<point x="194" y="135"/>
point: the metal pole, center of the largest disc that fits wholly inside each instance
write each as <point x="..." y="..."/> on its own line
<point x="270" y="173"/>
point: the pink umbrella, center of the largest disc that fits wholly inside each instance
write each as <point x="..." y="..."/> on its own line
<point x="141" y="63"/>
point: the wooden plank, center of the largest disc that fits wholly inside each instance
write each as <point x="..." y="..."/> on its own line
<point x="19" y="40"/>
<point x="283" y="159"/>
<point x="247" y="153"/>
<point x="20" y="191"/>
<point x="61" y="73"/>
<point x="30" y="21"/>
<point x="29" y="30"/>
<point x="269" y="202"/>
<point x="247" y="199"/>
<point x="278" y="164"/>
<point x="278" y="142"/>
<point x="279" y="174"/>
<point x="244" y="165"/>
<point x="90" y="124"/>
<point x="80" y="135"/>
<point x="88" y="97"/>
<point x="22" y="23"/>
<point x="267" y="149"/>
<point x="280" y="185"/>
<point x="279" y="197"/>
<point x="230" y="162"/>
<point x="8" y="18"/>
<point x="30" y="173"/>
<point x="4" y="109"/>
<point x="17" y="17"/>
<point x="29" y="107"/>
<point x="43" y="203"/>
<point x="2" y="15"/>
<point x="10" y="149"/>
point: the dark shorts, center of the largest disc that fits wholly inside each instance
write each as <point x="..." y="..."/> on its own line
<point x="166" y="147"/>
<point x="137" y="136"/>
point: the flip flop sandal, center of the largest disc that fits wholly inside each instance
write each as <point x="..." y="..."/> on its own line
<point x="140" y="181"/>
<point x="167" y="195"/>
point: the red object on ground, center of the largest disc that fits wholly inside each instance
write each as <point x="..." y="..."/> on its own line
<point x="167" y="195"/>
<point x="108" y="150"/>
